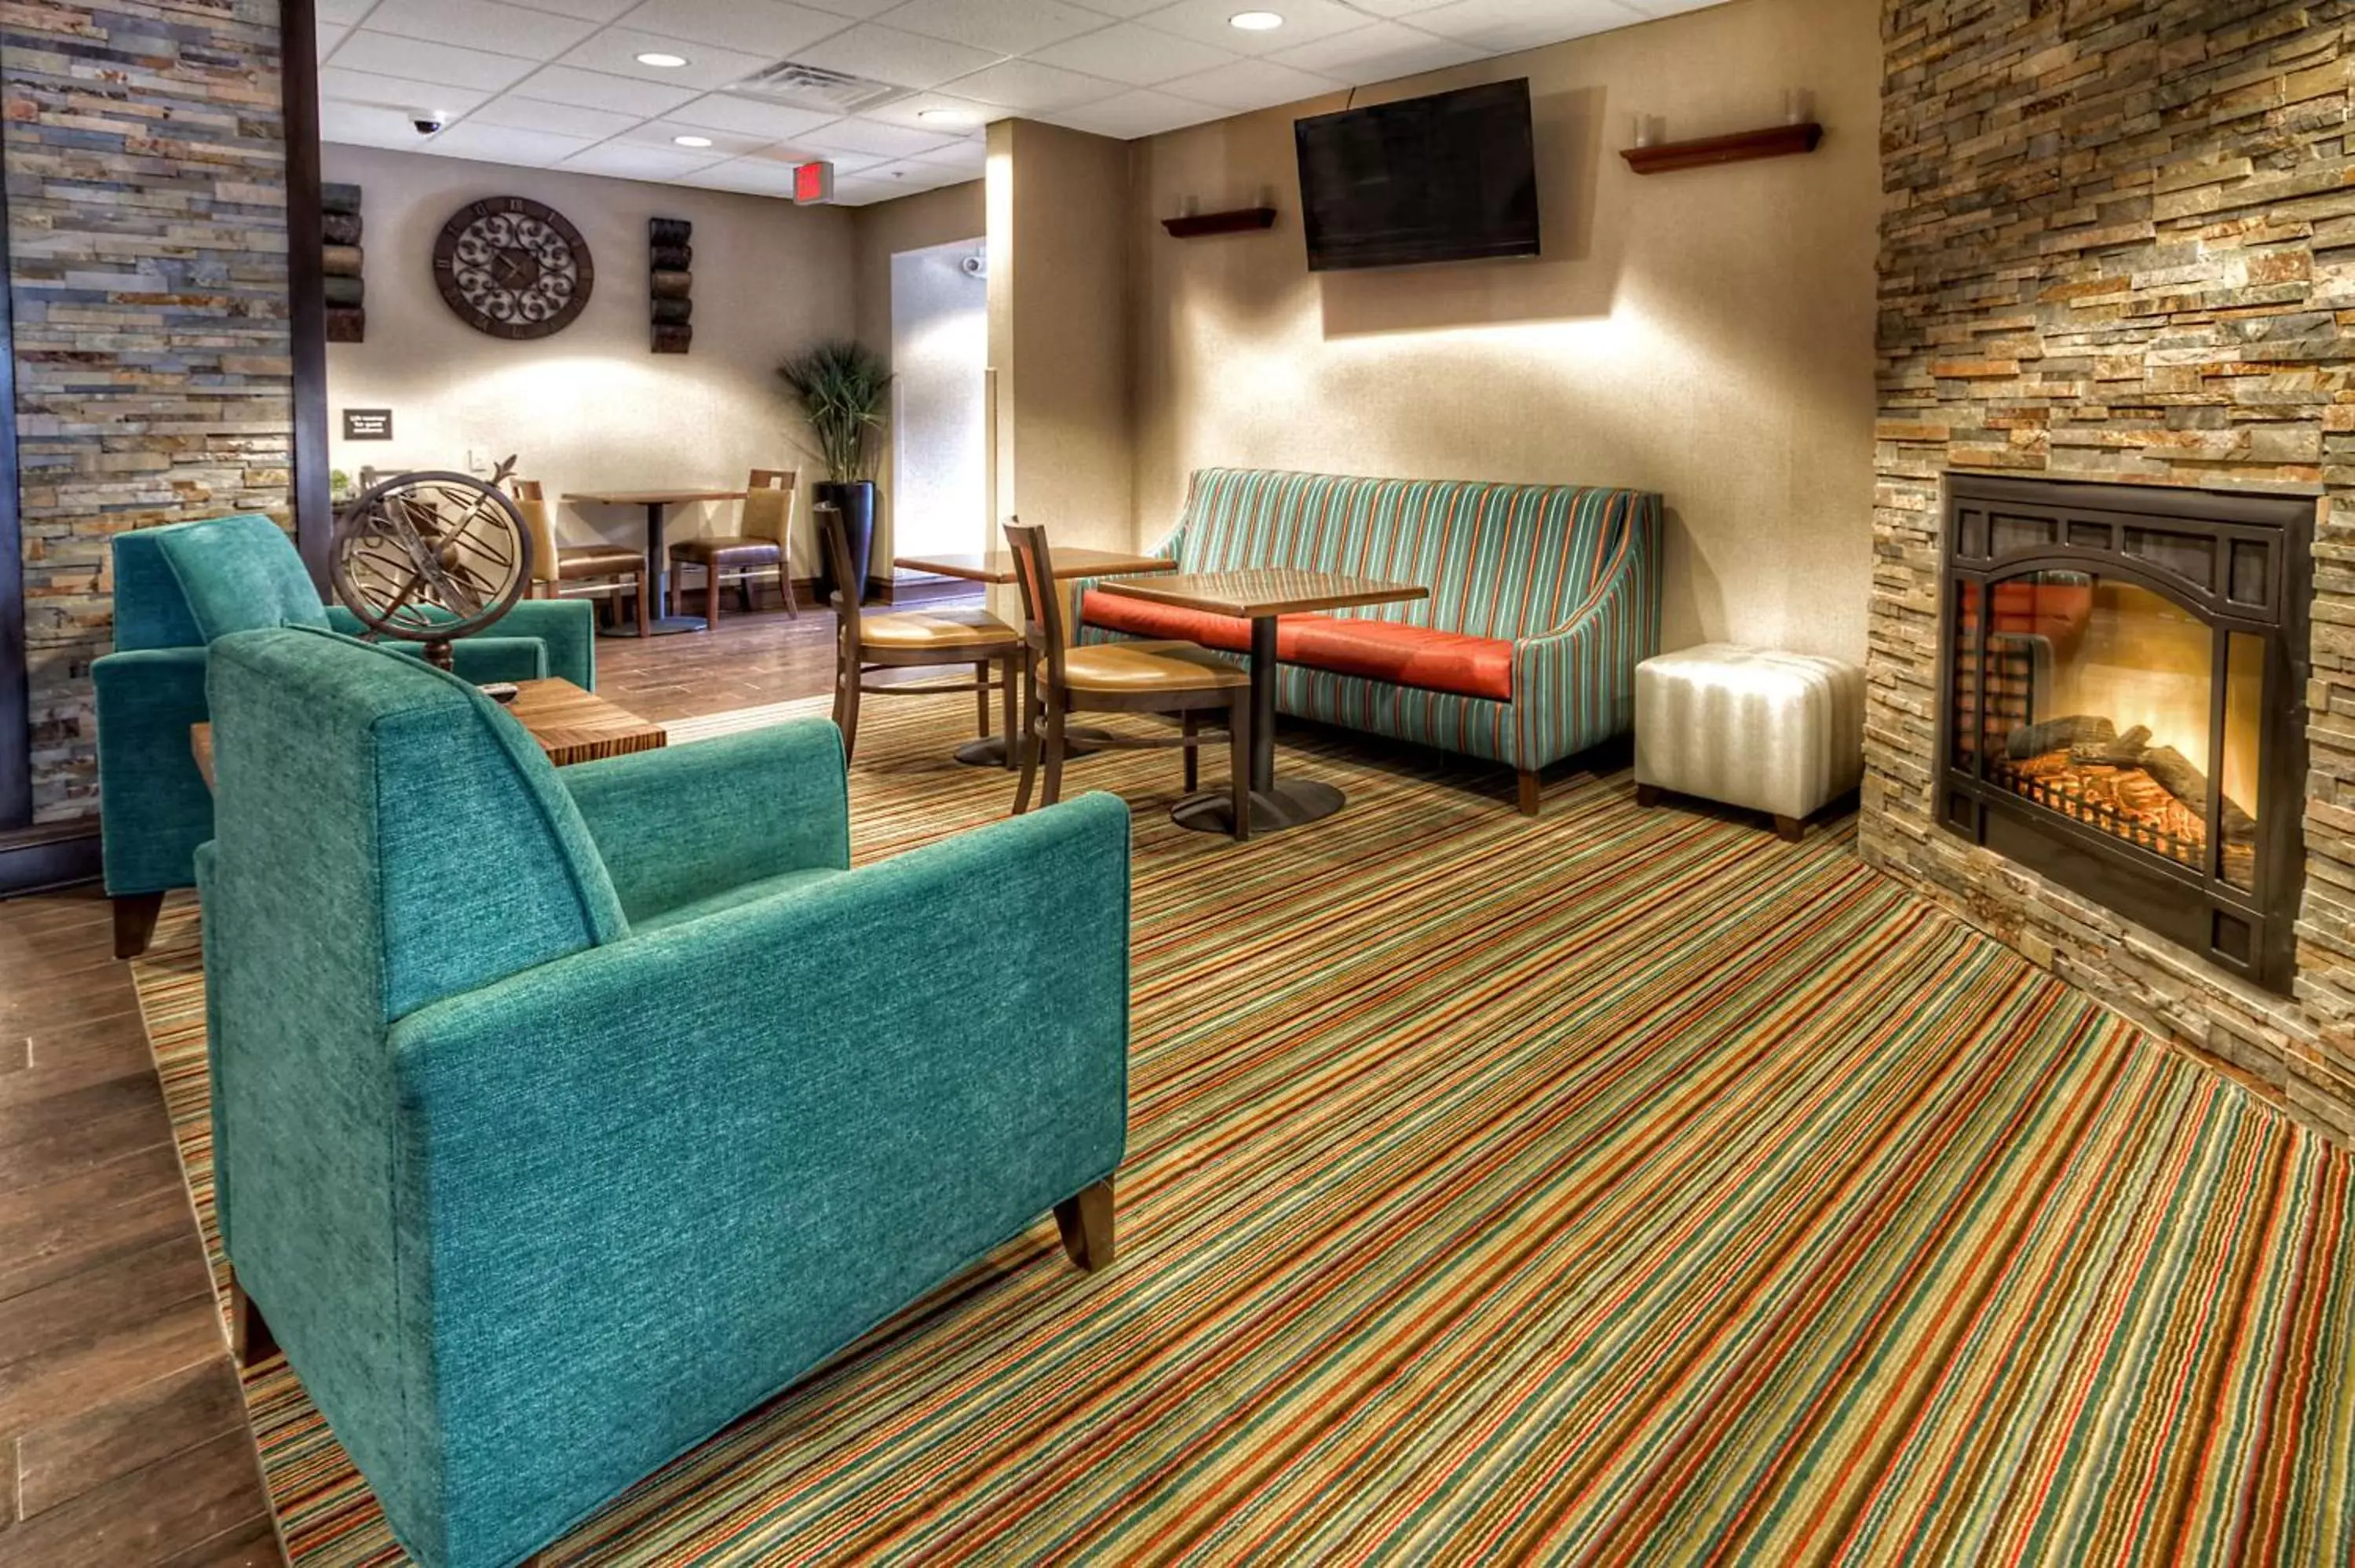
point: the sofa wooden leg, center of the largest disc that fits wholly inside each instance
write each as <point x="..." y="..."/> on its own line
<point x="1647" y="795"/>
<point x="250" y="1340"/>
<point x="1085" y="1220"/>
<point x="1792" y="829"/>
<point x="1528" y="778"/>
<point x="134" y="922"/>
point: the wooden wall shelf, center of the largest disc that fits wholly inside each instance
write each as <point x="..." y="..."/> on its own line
<point x="1236" y="222"/>
<point x="1775" y="142"/>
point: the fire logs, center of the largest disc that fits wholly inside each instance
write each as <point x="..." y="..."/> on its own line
<point x="2092" y="740"/>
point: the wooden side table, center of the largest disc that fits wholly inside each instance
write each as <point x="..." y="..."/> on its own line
<point x="571" y="725"/>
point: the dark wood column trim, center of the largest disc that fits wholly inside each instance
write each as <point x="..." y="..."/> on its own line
<point x="15" y="698"/>
<point x="313" y="516"/>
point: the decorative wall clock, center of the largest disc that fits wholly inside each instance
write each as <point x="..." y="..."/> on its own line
<point x="513" y="268"/>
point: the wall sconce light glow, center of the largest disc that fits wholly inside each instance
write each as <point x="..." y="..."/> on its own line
<point x="692" y="141"/>
<point x="1255" y="21"/>
<point x="661" y="61"/>
<point x="946" y="116"/>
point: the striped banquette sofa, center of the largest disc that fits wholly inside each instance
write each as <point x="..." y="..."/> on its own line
<point x="1543" y="600"/>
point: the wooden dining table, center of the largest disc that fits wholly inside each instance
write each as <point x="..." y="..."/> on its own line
<point x="997" y="568"/>
<point x="1259" y="596"/>
<point x="657" y="503"/>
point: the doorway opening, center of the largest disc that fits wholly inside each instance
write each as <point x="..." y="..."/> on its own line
<point x="940" y="349"/>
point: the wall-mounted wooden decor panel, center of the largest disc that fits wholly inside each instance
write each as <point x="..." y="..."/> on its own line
<point x="671" y="281"/>
<point x="342" y="261"/>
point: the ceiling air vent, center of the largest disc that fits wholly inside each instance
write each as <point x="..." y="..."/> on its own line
<point x="815" y="87"/>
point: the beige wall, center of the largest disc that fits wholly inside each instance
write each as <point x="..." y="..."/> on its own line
<point x="878" y="232"/>
<point x="1706" y="333"/>
<point x="1059" y="292"/>
<point x="590" y="408"/>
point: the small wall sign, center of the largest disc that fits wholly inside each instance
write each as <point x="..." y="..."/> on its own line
<point x="368" y="424"/>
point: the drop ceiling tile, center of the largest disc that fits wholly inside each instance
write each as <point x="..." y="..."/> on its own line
<point x="483" y="24"/>
<point x="629" y="162"/>
<point x="418" y="59"/>
<point x="616" y="50"/>
<point x="367" y="125"/>
<point x="553" y="119"/>
<point x="598" y="11"/>
<point x="903" y="59"/>
<point x="910" y="110"/>
<point x="507" y="144"/>
<point x="344" y="13"/>
<point x="1252" y="84"/>
<point x="844" y="163"/>
<point x="772" y="28"/>
<point x="1137" y="56"/>
<point x="1029" y="87"/>
<point x="1122" y="8"/>
<point x="972" y="155"/>
<point x="1409" y="7"/>
<point x="598" y="89"/>
<point x="328" y="37"/>
<point x="911" y="176"/>
<point x="1001" y="27"/>
<point x="1378" y="53"/>
<point x="1141" y="112"/>
<point x="1502" y="25"/>
<point x="1205" y="22"/>
<point x="747" y="176"/>
<point x="859" y="10"/>
<point x="1669" y="8"/>
<point x="724" y="144"/>
<point x="340" y="85"/>
<point x="751" y="116"/>
<point x="871" y="136"/>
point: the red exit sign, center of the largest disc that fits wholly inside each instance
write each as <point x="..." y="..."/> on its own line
<point x="813" y="183"/>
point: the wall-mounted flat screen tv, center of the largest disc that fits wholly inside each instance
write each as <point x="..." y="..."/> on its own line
<point x="1445" y="178"/>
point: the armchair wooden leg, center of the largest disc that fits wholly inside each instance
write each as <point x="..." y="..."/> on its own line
<point x="250" y="1340"/>
<point x="1528" y="789"/>
<point x="134" y="922"/>
<point x="1239" y="761"/>
<point x="1086" y="1221"/>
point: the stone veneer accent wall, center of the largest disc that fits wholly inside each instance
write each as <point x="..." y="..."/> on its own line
<point x="2118" y="242"/>
<point x="147" y="169"/>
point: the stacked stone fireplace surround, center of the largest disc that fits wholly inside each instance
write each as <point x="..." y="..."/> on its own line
<point x="2118" y="243"/>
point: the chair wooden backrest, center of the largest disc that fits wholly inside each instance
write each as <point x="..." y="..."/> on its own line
<point x="531" y="498"/>
<point x="1034" y="573"/>
<point x="834" y="538"/>
<point x="768" y="505"/>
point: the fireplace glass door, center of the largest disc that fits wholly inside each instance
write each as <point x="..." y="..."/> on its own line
<point x="2101" y="705"/>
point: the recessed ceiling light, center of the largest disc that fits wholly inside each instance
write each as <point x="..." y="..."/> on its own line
<point x="1255" y="21"/>
<point x="946" y="116"/>
<point x="692" y="141"/>
<point x="661" y="61"/>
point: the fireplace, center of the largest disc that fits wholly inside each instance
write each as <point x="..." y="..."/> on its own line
<point x="2122" y="697"/>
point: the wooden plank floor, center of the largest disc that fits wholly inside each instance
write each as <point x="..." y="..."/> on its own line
<point x="123" y="1441"/>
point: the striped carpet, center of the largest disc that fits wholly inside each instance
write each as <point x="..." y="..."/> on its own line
<point x="1624" y="1187"/>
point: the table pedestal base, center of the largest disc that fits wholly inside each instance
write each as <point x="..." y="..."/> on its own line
<point x="1287" y="803"/>
<point x="1079" y="740"/>
<point x="658" y="626"/>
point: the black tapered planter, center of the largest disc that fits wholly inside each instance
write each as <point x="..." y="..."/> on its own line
<point x="856" y="499"/>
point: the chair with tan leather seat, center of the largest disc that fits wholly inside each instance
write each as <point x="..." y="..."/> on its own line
<point x="1158" y="677"/>
<point x="911" y="640"/>
<point x="759" y="545"/>
<point x="554" y="564"/>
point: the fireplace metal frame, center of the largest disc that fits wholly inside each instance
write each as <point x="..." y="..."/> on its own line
<point x="2250" y="934"/>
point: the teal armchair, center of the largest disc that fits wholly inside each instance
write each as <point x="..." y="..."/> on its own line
<point x="563" y="1117"/>
<point x="178" y="588"/>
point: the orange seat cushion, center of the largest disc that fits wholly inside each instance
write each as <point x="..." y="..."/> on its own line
<point x="1376" y="649"/>
<point x="1407" y="656"/>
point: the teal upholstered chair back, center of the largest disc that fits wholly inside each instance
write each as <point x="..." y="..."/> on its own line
<point x="1501" y="560"/>
<point x="185" y="584"/>
<point x="426" y="849"/>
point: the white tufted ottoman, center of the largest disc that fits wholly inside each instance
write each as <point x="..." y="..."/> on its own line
<point x="1780" y="732"/>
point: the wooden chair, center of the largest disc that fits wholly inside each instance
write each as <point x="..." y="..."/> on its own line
<point x="911" y="640"/>
<point x="766" y="524"/>
<point x="1159" y="677"/>
<point x="554" y="564"/>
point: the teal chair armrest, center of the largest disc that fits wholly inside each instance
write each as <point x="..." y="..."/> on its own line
<point x="568" y="628"/>
<point x="483" y="660"/>
<point x="153" y="806"/>
<point x="681" y="824"/>
<point x="670" y="1175"/>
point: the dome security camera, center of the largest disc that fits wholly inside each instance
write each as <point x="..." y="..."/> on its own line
<point x="975" y="266"/>
<point x="427" y="122"/>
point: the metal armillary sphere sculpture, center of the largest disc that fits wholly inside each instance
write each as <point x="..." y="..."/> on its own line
<point x="432" y="557"/>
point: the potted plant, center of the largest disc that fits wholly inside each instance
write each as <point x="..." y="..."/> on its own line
<point x="843" y="390"/>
